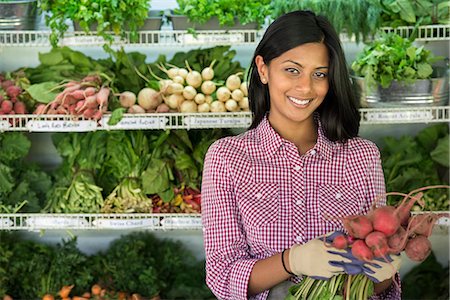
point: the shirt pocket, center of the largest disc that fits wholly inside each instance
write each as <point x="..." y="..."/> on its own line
<point x="338" y="201"/>
<point x="259" y="203"/>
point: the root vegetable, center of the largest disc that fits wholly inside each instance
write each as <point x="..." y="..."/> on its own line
<point x="89" y="113"/>
<point x="377" y="243"/>
<point x="40" y="109"/>
<point x="178" y="79"/>
<point x="189" y="92"/>
<point x="340" y="242"/>
<point x="78" y="95"/>
<point x="418" y="248"/>
<point x="200" y="98"/>
<point x="244" y="88"/>
<point x="149" y="98"/>
<point x="136" y="109"/>
<point x="384" y="219"/>
<point x="164" y="85"/>
<point x="6" y="106"/>
<point x="127" y="99"/>
<point x="361" y="251"/>
<point x="188" y="107"/>
<point x="172" y="73"/>
<point x="163" y="108"/>
<point x="423" y="224"/>
<point x="231" y="105"/>
<point x="208" y="72"/>
<point x="358" y="226"/>
<point x="48" y="297"/>
<point x="233" y="81"/>
<point x="65" y="291"/>
<point x="237" y="95"/>
<point x="89" y="91"/>
<point x="193" y="77"/>
<point x="96" y="290"/>
<point x="89" y="102"/>
<point x="204" y="107"/>
<point x="396" y="242"/>
<point x="182" y="72"/>
<point x="243" y="104"/>
<point x="174" y="100"/>
<point x="223" y="94"/>
<point x="102" y="96"/>
<point x="208" y="87"/>
<point x="13" y="91"/>
<point x="209" y="99"/>
<point x="174" y="88"/>
<point x="217" y="106"/>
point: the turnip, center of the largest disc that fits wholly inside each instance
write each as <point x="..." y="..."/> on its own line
<point x="189" y="92"/>
<point x="418" y="248"/>
<point x="233" y="82"/>
<point x="193" y="78"/>
<point x="244" y="88"/>
<point x="171" y="73"/>
<point x="243" y="104"/>
<point x="127" y="99"/>
<point x="237" y="95"/>
<point x="148" y="98"/>
<point x="188" y="107"/>
<point x="223" y="94"/>
<point x="208" y="87"/>
<point x="164" y="85"/>
<point x="178" y="79"/>
<point x="208" y="72"/>
<point x="174" y="88"/>
<point x="209" y="99"/>
<point x="231" y="105"/>
<point x="217" y="106"/>
<point x="162" y="108"/>
<point x="136" y="109"/>
<point x="174" y="100"/>
<point x="200" y="98"/>
<point x="182" y="72"/>
<point x="204" y="107"/>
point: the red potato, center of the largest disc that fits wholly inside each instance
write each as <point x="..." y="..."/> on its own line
<point x="418" y="248"/>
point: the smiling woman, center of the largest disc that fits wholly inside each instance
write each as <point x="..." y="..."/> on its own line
<point x="267" y="194"/>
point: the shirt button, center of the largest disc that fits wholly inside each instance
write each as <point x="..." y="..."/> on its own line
<point x="299" y="202"/>
<point x="298" y="238"/>
<point x="297" y="168"/>
<point x="338" y="195"/>
<point x="313" y="152"/>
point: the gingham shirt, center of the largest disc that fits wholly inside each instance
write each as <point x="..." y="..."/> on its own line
<point x="260" y="196"/>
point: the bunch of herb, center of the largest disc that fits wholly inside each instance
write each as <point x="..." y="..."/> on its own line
<point x="6" y="254"/>
<point x="127" y="156"/>
<point x="415" y="13"/>
<point x="108" y="17"/>
<point x="246" y="11"/>
<point x="410" y="162"/>
<point x="358" y="18"/>
<point x="392" y="57"/>
<point x="75" y="189"/>
<point x="22" y="184"/>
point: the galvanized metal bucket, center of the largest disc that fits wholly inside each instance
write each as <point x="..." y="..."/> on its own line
<point x="423" y="92"/>
<point x="18" y="15"/>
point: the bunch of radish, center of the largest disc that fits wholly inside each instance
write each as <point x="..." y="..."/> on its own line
<point x="390" y="230"/>
<point x="87" y="98"/>
<point x="10" y="102"/>
<point x="189" y="91"/>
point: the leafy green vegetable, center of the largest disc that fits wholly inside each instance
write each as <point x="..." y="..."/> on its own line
<point x="43" y="92"/>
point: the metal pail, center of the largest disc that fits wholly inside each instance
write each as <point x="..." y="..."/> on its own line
<point x="18" y="15"/>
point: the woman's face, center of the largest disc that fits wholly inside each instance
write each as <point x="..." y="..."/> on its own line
<point x="297" y="81"/>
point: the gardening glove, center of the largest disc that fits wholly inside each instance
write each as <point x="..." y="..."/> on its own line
<point x="313" y="259"/>
<point x="383" y="269"/>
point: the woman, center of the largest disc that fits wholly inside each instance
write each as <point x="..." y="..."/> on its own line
<point x="268" y="193"/>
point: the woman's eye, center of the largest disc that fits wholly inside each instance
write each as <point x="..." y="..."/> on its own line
<point x="320" y="75"/>
<point x="292" y="70"/>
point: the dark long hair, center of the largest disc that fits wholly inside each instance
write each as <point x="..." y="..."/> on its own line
<point x="338" y="112"/>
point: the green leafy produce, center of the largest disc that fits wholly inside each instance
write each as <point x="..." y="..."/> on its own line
<point x="393" y="58"/>
<point x="418" y="12"/>
<point x="408" y="164"/>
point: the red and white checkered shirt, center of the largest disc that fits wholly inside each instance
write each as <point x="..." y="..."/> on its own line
<point x="260" y="196"/>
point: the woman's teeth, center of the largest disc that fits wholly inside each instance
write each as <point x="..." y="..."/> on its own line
<point x="299" y="102"/>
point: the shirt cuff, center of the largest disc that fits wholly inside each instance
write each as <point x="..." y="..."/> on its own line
<point x="240" y="275"/>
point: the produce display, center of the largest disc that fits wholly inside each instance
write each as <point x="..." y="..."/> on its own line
<point x="136" y="266"/>
<point x="385" y="230"/>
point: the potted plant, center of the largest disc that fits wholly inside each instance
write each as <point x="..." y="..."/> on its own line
<point x="392" y="71"/>
<point x="107" y="18"/>
<point x="219" y="14"/>
<point x="18" y="14"/>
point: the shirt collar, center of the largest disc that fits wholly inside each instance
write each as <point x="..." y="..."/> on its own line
<point x="271" y="141"/>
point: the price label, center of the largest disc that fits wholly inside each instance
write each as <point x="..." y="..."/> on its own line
<point x="217" y="38"/>
<point x="399" y="116"/>
<point x="4" y="125"/>
<point x="5" y="223"/>
<point x="182" y="222"/>
<point x="56" y="222"/>
<point x="147" y="122"/>
<point x="217" y="122"/>
<point x="60" y="125"/>
<point x="123" y="224"/>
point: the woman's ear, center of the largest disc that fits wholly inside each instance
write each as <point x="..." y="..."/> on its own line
<point x="262" y="69"/>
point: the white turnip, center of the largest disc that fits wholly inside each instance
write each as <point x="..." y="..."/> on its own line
<point x="127" y="99"/>
<point x="148" y="98"/>
<point x="188" y="106"/>
<point x="208" y="72"/>
<point x="208" y="87"/>
<point x="217" y="106"/>
<point x="223" y="94"/>
<point x="136" y="109"/>
<point x="189" y="92"/>
<point x="204" y="107"/>
<point x="233" y="81"/>
<point x="200" y="98"/>
<point x="231" y="105"/>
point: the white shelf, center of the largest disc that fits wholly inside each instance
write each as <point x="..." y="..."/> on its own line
<point x="39" y="38"/>
<point x="67" y="123"/>
<point x="36" y="221"/>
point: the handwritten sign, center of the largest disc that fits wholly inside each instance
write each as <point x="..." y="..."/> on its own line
<point x="147" y="122"/>
<point x="217" y="122"/>
<point x="61" y="125"/>
<point x="182" y="222"/>
<point x="56" y="222"/>
<point x="5" y="223"/>
<point x="399" y="116"/>
<point x="218" y="38"/>
<point x="123" y="224"/>
<point x="4" y="125"/>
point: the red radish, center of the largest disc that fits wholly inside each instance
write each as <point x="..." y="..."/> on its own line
<point x="102" y="96"/>
<point x="361" y="251"/>
<point x="377" y="243"/>
<point x="6" y="84"/>
<point x="418" y="248"/>
<point x="89" y="102"/>
<point x="384" y="219"/>
<point x="357" y="226"/>
<point x="97" y="115"/>
<point x="89" y="113"/>
<point x="13" y="91"/>
<point x="89" y="91"/>
<point x="7" y="106"/>
<point x="78" y="94"/>
<point x="39" y="109"/>
<point x="19" y="108"/>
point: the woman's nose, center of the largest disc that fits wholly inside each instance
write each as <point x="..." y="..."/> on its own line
<point x="304" y="83"/>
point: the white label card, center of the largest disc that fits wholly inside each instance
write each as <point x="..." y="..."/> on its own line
<point x="201" y="39"/>
<point x="56" y="222"/>
<point x="4" y="125"/>
<point x="399" y="116"/>
<point x="5" y="223"/>
<point x="123" y="224"/>
<point x="182" y="222"/>
<point x="64" y="126"/>
<point x="216" y="121"/>
<point x="153" y="122"/>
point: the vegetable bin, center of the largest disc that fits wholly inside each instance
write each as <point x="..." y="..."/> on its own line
<point x="18" y="14"/>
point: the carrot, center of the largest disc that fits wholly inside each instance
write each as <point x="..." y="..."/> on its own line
<point x="96" y="289"/>
<point x="48" y="297"/>
<point x="65" y="291"/>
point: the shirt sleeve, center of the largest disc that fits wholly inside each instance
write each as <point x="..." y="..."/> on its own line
<point x="228" y="265"/>
<point x="391" y="293"/>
